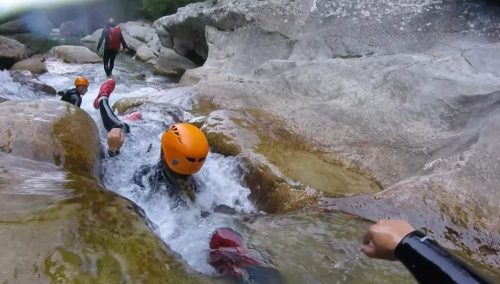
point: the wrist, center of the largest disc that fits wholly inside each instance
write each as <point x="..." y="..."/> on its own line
<point x="410" y="237"/>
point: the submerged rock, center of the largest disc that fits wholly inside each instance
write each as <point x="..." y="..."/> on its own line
<point x="28" y="79"/>
<point x="74" y="54"/>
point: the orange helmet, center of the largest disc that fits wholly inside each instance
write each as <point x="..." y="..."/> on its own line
<point x="81" y="81"/>
<point x="184" y="148"/>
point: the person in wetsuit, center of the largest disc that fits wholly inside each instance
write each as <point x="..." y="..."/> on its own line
<point x="115" y="127"/>
<point x="184" y="149"/>
<point x="232" y="259"/>
<point x="113" y="39"/>
<point x="422" y="256"/>
<point x="74" y="96"/>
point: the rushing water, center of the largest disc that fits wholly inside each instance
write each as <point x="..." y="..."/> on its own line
<point x="308" y="247"/>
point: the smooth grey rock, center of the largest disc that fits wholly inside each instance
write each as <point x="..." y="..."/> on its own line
<point x="74" y="54"/>
<point x="406" y="91"/>
<point x="11" y="51"/>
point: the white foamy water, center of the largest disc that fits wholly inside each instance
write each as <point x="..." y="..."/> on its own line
<point x="181" y="227"/>
<point x="14" y="91"/>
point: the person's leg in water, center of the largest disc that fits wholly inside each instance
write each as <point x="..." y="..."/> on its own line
<point x="112" y="56"/>
<point x="230" y="257"/>
<point x="105" y="60"/>
<point x="109" y="118"/>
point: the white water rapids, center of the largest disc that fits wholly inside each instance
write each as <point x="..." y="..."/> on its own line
<point x="182" y="227"/>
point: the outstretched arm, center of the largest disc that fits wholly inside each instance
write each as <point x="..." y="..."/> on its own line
<point x="423" y="257"/>
<point x="103" y="35"/>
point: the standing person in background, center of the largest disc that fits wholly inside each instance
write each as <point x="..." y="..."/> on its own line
<point x="74" y="96"/>
<point x="113" y="39"/>
<point x="424" y="257"/>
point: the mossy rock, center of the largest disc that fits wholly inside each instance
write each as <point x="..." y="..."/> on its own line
<point x="51" y="131"/>
<point x="127" y="103"/>
<point x="68" y="229"/>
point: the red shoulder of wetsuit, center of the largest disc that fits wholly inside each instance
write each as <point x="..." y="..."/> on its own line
<point x="114" y="38"/>
<point x="228" y="253"/>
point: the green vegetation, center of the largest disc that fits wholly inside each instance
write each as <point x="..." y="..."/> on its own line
<point x="157" y="8"/>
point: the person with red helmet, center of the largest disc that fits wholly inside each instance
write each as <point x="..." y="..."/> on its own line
<point x="231" y="258"/>
<point x="74" y="96"/>
<point x="113" y="40"/>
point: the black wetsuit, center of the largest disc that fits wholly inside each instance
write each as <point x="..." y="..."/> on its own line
<point x="109" y="53"/>
<point x="160" y="178"/>
<point x="109" y="118"/>
<point x="71" y="96"/>
<point x="431" y="263"/>
<point x="110" y="121"/>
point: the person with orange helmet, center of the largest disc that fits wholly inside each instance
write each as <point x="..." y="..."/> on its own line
<point x="184" y="148"/>
<point x="74" y="96"/>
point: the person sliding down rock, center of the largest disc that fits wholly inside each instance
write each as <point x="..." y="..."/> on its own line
<point x="231" y="258"/>
<point x="74" y="96"/>
<point x="184" y="149"/>
<point x="425" y="258"/>
<point x="113" y="39"/>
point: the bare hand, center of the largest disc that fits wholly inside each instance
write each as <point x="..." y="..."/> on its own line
<point x="115" y="139"/>
<point x="382" y="238"/>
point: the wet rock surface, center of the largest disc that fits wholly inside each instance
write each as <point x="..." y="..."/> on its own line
<point x="27" y="78"/>
<point x="407" y="93"/>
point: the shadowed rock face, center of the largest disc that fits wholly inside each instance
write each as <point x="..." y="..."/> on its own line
<point x="408" y="92"/>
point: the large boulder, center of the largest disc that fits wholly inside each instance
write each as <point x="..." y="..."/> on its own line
<point x="34" y="64"/>
<point x="74" y="54"/>
<point x="397" y="90"/>
<point x="11" y="51"/>
<point x="51" y="131"/>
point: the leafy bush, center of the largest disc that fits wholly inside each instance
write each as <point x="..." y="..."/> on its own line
<point x="157" y="8"/>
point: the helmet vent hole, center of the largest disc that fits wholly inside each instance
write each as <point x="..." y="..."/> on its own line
<point x="192" y="160"/>
<point x="201" y="159"/>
